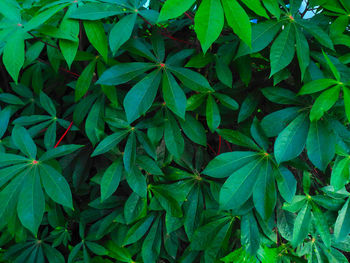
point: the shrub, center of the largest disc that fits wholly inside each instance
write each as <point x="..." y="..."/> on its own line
<point x="174" y="131"/>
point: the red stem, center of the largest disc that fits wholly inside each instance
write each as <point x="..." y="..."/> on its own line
<point x="219" y="147"/>
<point x="190" y="17"/>
<point x="64" y="134"/>
<point x="228" y="145"/>
<point x="211" y="148"/>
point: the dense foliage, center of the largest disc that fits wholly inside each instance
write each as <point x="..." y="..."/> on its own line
<point x="174" y="131"/>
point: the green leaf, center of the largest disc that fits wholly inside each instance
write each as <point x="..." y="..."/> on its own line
<point x="5" y="115"/>
<point x="94" y="123"/>
<point x="96" y="11"/>
<point x="280" y="95"/>
<point x="191" y="79"/>
<point x="259" y="135"/>
<point x="123" y="72"/>
<point x="137" y="181"/>
<point x="96" y="248"/>
<point x="227" y="101"/>
<point x="256" y="6"/>
<point x="55" y="185"/>
<point x="121" y="32"/>
<point x="211" y="252"/>
<point x="238" y="20"/>
<point x="316" y="86"/>
<point x="69" y="48"/>
<point x="301" y="225"/>
<point x="282" y="49"/>
<point x="109" y="142"/>
<point x="212" y="114"/>
<point x="31" y="202"/>
<point x="167" y="201"/>
<point x="239" y="186"/>
<point x="264" y="193"/>
<point x="303" y="50"/>
<point x="8" y="173"/>
<point x="286" y="182"/>
<point x="59" y="151"/>
<point x="24" y="142"/>
<point x="199" y="61"/>
<point x="320" y="144"/>
<point x="248" y="107"/>
<point x="148" y="165"/>
<point x="47" y="104"/>
<point x="11" y="10"/>
<point x="194" y="130"/>
<point x="250" y="237"/>
<point x="208" y="22"/>
<point x="152" y="243"/>
<point x="129" y="155"/>
<point x="340" y="173"/>
<point x="174" y="8"/>
<point x="13" y="54"/>
<point x="203" y="235"/>
<point x="96" y="34"/>
<point x="50" y="136"/>
<point x="9" y="196"/>
<point x="273" y="7"/>
<point x="111" y="178"/>
<point x="11" y="99"/>
<point x="225" y="164"/>
<point x="138" y="230"/>
<point x="140" y="98"/>
<point x="262" y="35"/>
<point x="173" y="137"/>
<point x="135" y="208"/>
<point x="317" y="32"/>
<point x="321" y="224"/>
<point x="42" y="17"/>
<point x="334" y="70"/>
<point x="237" y="138"/>
<point x="324" y="102"/>
<point x="346" y="94"/>
<point x="291" y="141"/>
<point x="342" y="224"/>
<point x="223" y="72"/>
<point x="84" y="81"/>
<point x="7" y="159"/>
<point x="174" y="97"/>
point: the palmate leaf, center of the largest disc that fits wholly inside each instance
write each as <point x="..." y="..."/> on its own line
<point x="291" y="141"/>
<point x="96" y="11"/>
<point x="301" y="225"/>
<point x="174" y="97"/>
<point x="282" y="49"/>
<point x="239" y="186"/>
<point x="110" y="179"/>
<point x="174" y="8"/>
<point x="209" y="21"/>
<point x="55" y="185"/>
<point x="31" y="201"/>
<point x="238" y="20"/>
<point x="13" y="57"/>
<point x="320" y="144"/>
<point x="264" y="193"/>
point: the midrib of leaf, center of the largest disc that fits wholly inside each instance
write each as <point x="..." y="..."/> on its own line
<point x="236" y="160"/>
<point x="209" y="19"/>
<point x="54" y="182"/>
<point x="284" y="43"/>
<point x="294" y="133"/>
<point x="245" y="178"/>
<point x="263" y="32"/>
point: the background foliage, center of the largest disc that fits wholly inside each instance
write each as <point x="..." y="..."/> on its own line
<point x="174" y="131"/>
